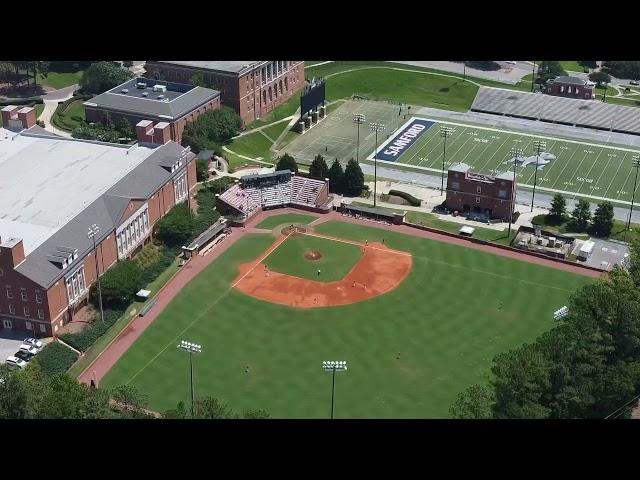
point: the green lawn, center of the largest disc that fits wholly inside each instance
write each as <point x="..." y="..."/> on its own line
<point x="274" y="131"/>
<point x="619" y="231"/>
<point x="285" y="220"/>
<point x="71" y="117"/>
<point x="254" y="145"/>
<point x="59" y="80"/>
<point x="284" y="110"/>
<point x="338" y="258"/>
<point x="456" y="310"/>
<point x="39" y="108"/>
<point x="572" y="66"/>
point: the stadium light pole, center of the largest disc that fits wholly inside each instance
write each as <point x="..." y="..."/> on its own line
<point x="445" y="132"/>
<point x="516" y="152"/>
<point x="604" y="96"/>
<point x="533" y="72"/>
<point x="539" y="146"/>
<point x="464" y="70"/>
<point x="190" y="348"/>
<point x="333" y="366"/>
<point x="636" y="165"/>
<point x="376" y="127"/>
<point x="359" y="119"/>
<point x="93" y="231"/>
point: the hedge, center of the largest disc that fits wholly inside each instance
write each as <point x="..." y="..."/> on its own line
<point x="83" y="340"/>
<point x="56" y="358"/>
<point x="30" y="101"/>
<point x="413" y="201"/>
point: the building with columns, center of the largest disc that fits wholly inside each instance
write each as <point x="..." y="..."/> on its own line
<point x="53" y="189"/>
<point x="252" y="88"/>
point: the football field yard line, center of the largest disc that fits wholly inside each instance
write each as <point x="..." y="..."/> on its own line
<point x="494" y="154"/>
<point x="455" y="152"/>
<point x="575" y="173"/>
<point x="481" y="155"/>
<point x="208" y="309"/>
<point x="624" y="185"/>
<point x="616" y="175"/>
<point x="565" y="167"/>
<point x="435" y="137"/>
<point x="606" y="167"/>
<point x="534" y="168"/>
<point x="586" y="176"/>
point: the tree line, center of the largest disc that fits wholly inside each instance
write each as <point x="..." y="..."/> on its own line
<point x="599" y="224"/>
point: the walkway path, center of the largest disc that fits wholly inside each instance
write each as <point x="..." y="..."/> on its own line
<point x="112" y="353"/>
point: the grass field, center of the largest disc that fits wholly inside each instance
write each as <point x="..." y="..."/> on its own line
<point x="456" y="310"/>
<point x="583" y="169"/>
<point x="71" y="118"/>
<point x="285" y="220"/>
<point x="59" y="80"/>
<point x="337" y="259"/>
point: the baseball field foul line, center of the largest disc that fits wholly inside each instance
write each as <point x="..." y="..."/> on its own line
<point x="352" y="242"/>
<point x="204" y="312"/>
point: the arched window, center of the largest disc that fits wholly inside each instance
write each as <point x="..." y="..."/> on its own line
<point x="280" y="85"/>
<point x="270" y="95"/>
<point x="286" y="84"/>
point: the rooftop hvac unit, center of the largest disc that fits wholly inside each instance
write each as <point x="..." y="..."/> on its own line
<point x="144" y="94"/>
<point x="160" y="88"/>
<point x="125" y="90"/>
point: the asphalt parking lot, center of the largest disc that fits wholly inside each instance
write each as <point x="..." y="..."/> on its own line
<point x="10" y="341"/>
<point x="607" y="254"/>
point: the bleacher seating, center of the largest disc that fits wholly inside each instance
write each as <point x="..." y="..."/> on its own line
<point x="306" y="190"/>
<point x="241" y="199"/>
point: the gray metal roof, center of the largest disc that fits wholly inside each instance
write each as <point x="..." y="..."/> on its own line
<point x="571" y="80"/>
<point x="224" y="66"/>
<point x="459" y="167"/>
<point x="106" y="211"/>
<point x="178" y="100"/>
<point x="372" y="211"/>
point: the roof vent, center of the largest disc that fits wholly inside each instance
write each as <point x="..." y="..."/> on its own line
<point x="145" y="94"/>
<point x="125" y="90"/>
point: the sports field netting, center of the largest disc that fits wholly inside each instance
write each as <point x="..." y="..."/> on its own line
<point x="571" y="167"/>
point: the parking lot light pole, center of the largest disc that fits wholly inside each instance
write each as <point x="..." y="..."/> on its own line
<point x="636" y="165"/>
<point x="445" y="132"/>
<point x="191" y="348"/>
<point x="516" y="152"/>
<point x="333" y="366"/>
<point x="358" y="119"/>
<point x="539" y="146"/>
<point x="376" y="127"/>
<point x="93" y="231"/>
<point x="533" y="73"/>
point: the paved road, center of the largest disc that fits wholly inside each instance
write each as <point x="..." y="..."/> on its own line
<point x="62" y="94"/>
<point x="508" y="73"/>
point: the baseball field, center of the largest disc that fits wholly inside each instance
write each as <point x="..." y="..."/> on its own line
<point x="417" y="320"/>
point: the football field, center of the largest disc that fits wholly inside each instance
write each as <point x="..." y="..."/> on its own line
<point x="567" y="166"/>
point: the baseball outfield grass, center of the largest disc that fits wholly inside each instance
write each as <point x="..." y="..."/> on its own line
<point x="286" y="220"/>
<point x="409" y="352"/>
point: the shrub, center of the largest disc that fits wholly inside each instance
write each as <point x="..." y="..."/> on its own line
<point x="102" y="76"/>
<point x="84" y="339"/>
<point x="202" y="170"/>
<point x="119" y="284"/>
<point x="56" y="358"/>
<point x="413" y="201"/>
<point x="176" y="227"/>
<point x="29" y="101"/>
<point x="287" y="162"/>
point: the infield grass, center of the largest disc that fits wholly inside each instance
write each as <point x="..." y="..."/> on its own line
<point x="286" y="220"/>
<point x="410" y="352"/>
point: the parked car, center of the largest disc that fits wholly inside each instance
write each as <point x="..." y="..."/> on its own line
<point x="16" y="362"/>
<point x="23" y="355"/>
<point x="511" y="62"/>
<point x="33" y="341"/>
<point x="29" y="349"/>
<point x="634" y="82"/>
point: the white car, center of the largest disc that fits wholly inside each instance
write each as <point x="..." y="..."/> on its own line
<point x="511" y="62"/>
<point x="29" y="349"/>
<point x="33" y="341"/>
<point x="16" y="362"/>
<point x="634" y="82"/>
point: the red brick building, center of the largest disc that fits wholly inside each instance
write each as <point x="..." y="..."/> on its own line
<point x="469" y="192"/>
<point x="252" y="89"/>
<point x="53" y="189"/>
<point x="571" y="87"/>
<point x="145" y="99"/>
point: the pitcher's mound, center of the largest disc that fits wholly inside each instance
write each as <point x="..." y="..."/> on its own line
<point x="312" y="255"/>
<point x="293" y="231"/>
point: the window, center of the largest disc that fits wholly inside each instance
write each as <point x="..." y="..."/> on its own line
<point x="27" y="325"/>
<point x="43" y="328"/>
<point x="40" y="313"/>
<point x="502" y="193"/>
<point x="455" y="185"/>
<point x="9" y="293"/>
<point x="7" y="324"/>
<point x="23" y="294"/>
<point x="477" y="199"/>
<point x="76" y="285"/>
<point x="38" y="296"/>
<point x="478" y="189"/>
<point x="569" y="89"/>
<point x="12" y="309"/>
<point x="26" y="311"/>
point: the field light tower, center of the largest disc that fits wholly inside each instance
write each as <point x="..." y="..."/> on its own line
<point x="191" y="348"/>
<point x="333" y="366"/>
<point x="445" y="132"/>
<point x="517" y="153"/>
<point x="358" y="119"/>
<point x="636" y="165"/>
<point x="93" y="231"/>
<point x="375" y="127"/>
<point x="539" y="147"/>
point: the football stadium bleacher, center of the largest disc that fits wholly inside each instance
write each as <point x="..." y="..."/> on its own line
<point x="277" y="189"/>
<point x="568" y="111"/>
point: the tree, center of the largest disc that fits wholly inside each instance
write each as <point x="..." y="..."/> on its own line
<point x="256" y="414"/>
<point x="603" y="220"/>
<point x="630" y="70"/>
<point x="581" y="216"/>
<point x="558" y="206"/>
<point x="548" y="70"/>
<point x="319" y="168"/>
<point x="125" y="128"/>
<point x="119" y="284"/>
<point x="600" y="78"/>
<point x="202" y="170"/>
<point x="175" y="228"/>
<point x="96" y="131"/>
<point x="474" y="403"/>
<point x="180" y="412"/>
<point x="212" y="408"/>
<point x="197" y="80"/>
<point x="353" y="180"/>
<point x="102" y="76"/>
<point x="336" y="176"/>
<point x="287" y="162"/>
<point x="212" y="128"/>
<point x="130" y="399"/>
<point x="634" y="261"/>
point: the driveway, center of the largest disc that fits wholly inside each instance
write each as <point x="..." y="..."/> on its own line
<point x="10" y="341"/>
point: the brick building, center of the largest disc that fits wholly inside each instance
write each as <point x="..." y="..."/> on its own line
<point x="52" y="190"/>
<point x="469" y="192"/>
<point x="144" y="99"/>
<point x="252" y="89"/>
<point x="571" y="87"/>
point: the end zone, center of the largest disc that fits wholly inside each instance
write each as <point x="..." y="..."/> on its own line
<point x="404" y="137"/>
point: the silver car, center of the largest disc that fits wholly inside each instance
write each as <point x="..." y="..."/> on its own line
<point x="33" y="341"/>
<point x="16" y="362"/>
<point x="29" y="349"/>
